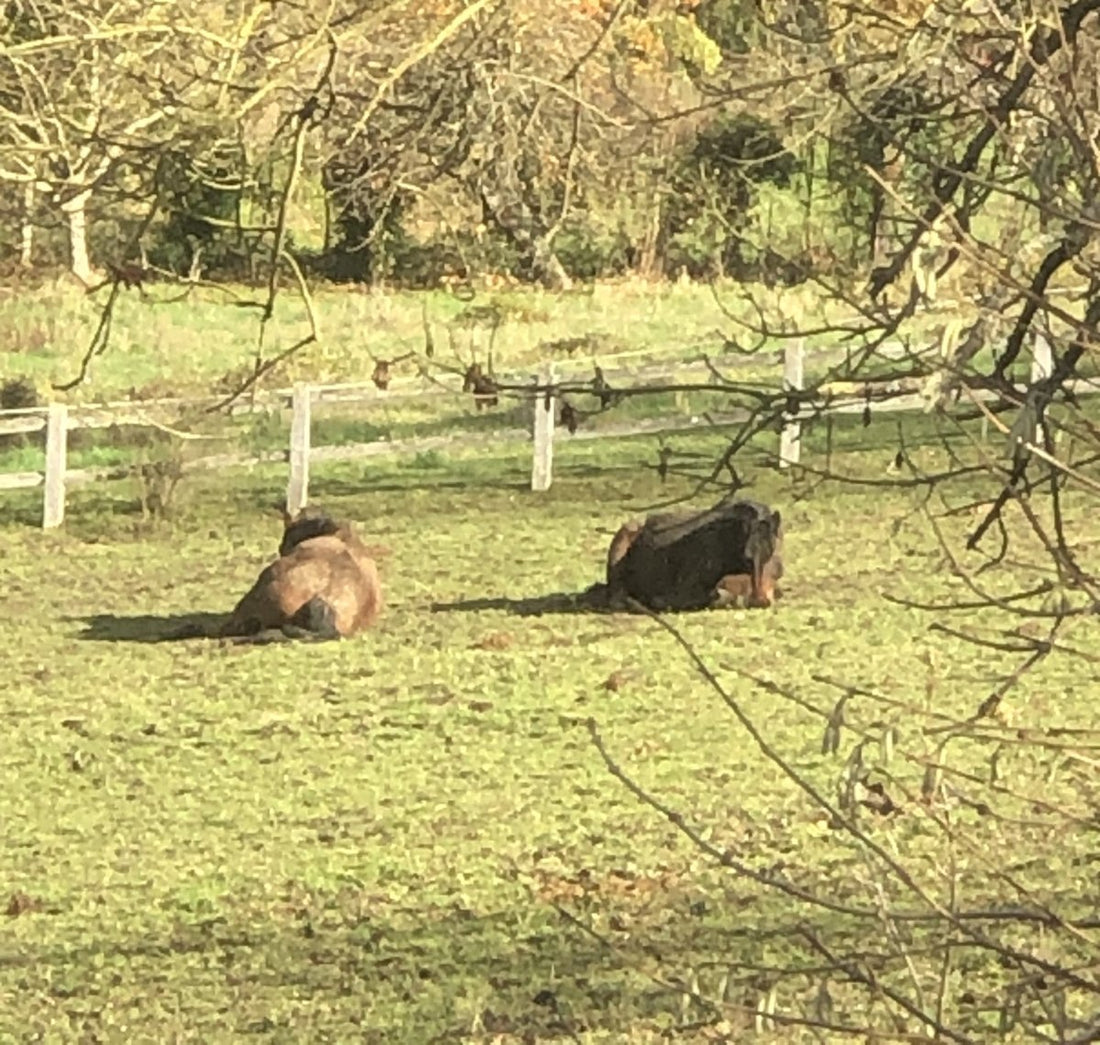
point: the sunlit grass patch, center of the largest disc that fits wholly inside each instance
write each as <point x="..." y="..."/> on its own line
<point x="372" y="840"/>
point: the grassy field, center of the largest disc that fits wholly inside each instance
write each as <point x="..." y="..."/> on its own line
<point x="161" y="345"/>
<point x="199" y="347"/>
<point x="410" y="837"/>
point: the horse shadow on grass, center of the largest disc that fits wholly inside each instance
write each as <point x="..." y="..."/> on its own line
<point x="590" y="600"/>
<point x="178" y="627"/>
<point x="147" y="627"/>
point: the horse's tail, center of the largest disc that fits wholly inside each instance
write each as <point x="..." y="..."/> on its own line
<point x="315" y="621"/>
<point x="193" y="630"/>
<point x="596" y="597"/>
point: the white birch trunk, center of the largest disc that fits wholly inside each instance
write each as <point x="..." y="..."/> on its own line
<point x="75" y="210"/>
<point x="26" y="239"/>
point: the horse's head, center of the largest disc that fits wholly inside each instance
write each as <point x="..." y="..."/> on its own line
<point x="762" y="526"/>
<point x="763" y="523"/>
<point x="763" y="548"/>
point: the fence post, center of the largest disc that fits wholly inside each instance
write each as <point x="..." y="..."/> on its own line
<point x="57" y="437"/>
<point x="297" y="488"/>
<point x="542" y="465"/>
<point x="1042" y="359"/>
<point x="790" y="438"/>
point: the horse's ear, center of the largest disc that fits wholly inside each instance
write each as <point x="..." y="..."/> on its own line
<point x="777" y="521"/>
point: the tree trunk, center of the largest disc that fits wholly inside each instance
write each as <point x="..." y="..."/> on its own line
<point x="26" y="240"/>
<point x="548" y="268"/>
<point x="808" y="201"/>
<point x="649" y="262"/>
<point x="884" y="228"/>
<point x="75" y="210"/>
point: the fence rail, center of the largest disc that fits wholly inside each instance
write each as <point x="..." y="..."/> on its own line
<point x="838" y="398"/>
<point x="402" y="389"/>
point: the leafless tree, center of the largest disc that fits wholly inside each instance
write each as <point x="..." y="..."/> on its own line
<point x="939" y="909"/>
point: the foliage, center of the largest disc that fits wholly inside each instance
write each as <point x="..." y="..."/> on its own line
<point x="728" y="23"/>
<point x="590" y="250"/>
<point x="18" y="393"/>
<point x="712" y="190"/>
<point x="201" y="200"/>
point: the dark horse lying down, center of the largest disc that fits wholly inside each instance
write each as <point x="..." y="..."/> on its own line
<point x="693" y="560"/>
<point x="324" y="585"/>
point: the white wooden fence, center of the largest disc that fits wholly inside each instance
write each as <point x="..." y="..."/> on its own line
<point x="842" y="398"/>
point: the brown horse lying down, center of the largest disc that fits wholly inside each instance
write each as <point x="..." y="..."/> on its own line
<point x="324" y="585"/>
<point x="697" y="560"/>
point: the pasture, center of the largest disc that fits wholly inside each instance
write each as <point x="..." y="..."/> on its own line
<point x="189" y="346"/>
<point x="180" y="343"/>
<point x="410" y="836"/>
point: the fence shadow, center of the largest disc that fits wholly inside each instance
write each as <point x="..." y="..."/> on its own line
<point x="322" y="487"/>
<point x="172" y="627"/>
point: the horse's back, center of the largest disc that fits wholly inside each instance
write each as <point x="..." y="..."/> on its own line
<point x="332" y="569"/>
<point x="270" y="602"/>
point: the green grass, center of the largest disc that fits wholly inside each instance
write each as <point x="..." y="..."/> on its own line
<point x="365" y="841"/>
<point x="185" y="347"/>
<point x="160" y="346"/>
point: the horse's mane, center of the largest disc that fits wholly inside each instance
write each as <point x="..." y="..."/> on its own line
<point x="670" y="526"/>
<point x="744" y="506"/>
<point x="306" y="527"/>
